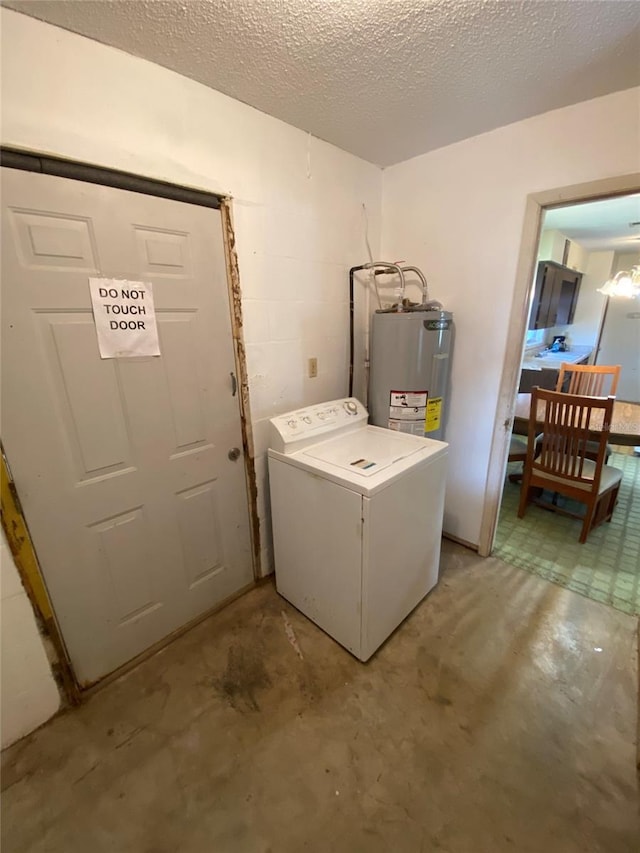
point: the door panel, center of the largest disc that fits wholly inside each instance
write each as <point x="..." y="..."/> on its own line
<point x="177" y="335"/>
<point x="53" y="242"/>
<point x="90" y="401"/>
<point x="120" y="544"/>
<point x="163" y="253"/>
<point x="139" y="519"/>
<point x="199" y="532"/>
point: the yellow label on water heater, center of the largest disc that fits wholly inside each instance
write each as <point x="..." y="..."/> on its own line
<point x="432" y="415"/>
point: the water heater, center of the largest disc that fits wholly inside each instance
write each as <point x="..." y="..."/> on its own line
<point x="409" y="372"/>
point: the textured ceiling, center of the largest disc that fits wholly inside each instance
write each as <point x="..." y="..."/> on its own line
<point x="384" y="79"/>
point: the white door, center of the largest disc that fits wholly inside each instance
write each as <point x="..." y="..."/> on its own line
<point x="620" y="344"/>
<point x="138" y="516"/>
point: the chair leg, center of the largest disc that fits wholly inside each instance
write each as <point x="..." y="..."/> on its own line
<point x="613" y="500"/>
<point x="600" y="511"/>
<point x="525" y="495"/>
<point x="586" y="524"/>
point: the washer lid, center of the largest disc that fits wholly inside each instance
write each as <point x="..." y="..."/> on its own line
<point x="365" y="452"/>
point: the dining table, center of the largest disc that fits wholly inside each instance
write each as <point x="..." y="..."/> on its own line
<point x="625" y="421"/>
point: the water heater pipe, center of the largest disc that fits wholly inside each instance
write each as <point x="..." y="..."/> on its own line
<point x="367" y="266"/>
<point x="421" y="276"/>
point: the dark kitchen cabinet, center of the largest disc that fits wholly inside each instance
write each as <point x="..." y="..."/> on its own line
<point x="555" y="296"/>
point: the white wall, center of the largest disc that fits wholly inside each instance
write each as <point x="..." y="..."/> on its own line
<point x="578" y="257"/>
<point x="624" y="261"/>
<point x="298" y="211"/>
<point x="458" y="214"/>
<point x="588" y="317"/>
<point x="620" y="342"/>
<point x="29" y="693"/>
<point x="551" y="246"/>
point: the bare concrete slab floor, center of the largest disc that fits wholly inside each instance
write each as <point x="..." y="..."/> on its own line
<point x="500" y="717"/>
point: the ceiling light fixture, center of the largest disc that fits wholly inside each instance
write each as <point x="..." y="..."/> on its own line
<point x="626" y="283"/>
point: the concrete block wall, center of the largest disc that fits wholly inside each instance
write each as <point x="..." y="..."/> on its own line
<point x="29" y="695"/>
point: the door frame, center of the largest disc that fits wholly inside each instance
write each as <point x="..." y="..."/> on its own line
<point x="13" y="519"/>
<point x="535" y="205"/>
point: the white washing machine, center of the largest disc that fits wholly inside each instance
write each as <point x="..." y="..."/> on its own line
<point x="357" y="520"/>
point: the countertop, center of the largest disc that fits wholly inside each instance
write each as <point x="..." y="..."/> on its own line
<point x="552" y="360"/>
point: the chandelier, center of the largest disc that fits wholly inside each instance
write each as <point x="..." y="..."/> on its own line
<point x="626" y="283"/>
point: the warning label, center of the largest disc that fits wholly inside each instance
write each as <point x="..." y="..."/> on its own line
<point x="408" y="411"/>
<point x="408" y="399"/>
<point x="433" y="414"/>
<point x="409" y="427"/>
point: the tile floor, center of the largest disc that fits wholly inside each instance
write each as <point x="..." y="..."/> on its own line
<point x="606" y="567"/>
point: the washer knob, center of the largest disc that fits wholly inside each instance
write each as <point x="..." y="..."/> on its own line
<point x="351" y="407"/>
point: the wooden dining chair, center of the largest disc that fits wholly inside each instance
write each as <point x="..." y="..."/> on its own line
<point x="517" y="453"/>
<point x="561" y="465"/>
<point x="591" y="380"/>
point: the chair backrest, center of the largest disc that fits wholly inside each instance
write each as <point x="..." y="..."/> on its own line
<point x="569" y="423"/>
<point x="589" y="380"/>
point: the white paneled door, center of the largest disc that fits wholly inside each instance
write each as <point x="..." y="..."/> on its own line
<point x="126" y="468"/>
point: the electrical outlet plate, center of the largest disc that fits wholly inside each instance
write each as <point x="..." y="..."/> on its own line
<point x="313" y="368"/>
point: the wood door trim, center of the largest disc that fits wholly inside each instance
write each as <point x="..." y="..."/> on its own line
<point x="235" y="306"/>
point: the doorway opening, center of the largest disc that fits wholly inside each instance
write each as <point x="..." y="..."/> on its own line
<point x="596" y="239"/>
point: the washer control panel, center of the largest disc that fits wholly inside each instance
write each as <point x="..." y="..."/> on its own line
<point x="292" y="429"/>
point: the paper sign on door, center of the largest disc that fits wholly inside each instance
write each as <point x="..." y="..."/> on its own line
<point x="125" y="318"/>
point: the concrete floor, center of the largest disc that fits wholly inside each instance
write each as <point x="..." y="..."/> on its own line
<point x="500" y="717"/>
